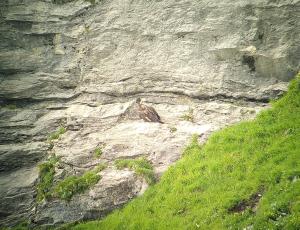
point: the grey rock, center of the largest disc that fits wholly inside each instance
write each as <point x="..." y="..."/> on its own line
<point x="17" y="195"/>
<point x="14" y="156"/>
<point x="114" y="189"/>
<point x="82" y="65"/>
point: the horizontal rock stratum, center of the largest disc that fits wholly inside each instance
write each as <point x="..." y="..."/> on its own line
<point x="201" y="64"/>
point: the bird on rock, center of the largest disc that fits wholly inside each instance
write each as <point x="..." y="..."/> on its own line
<point x="147" y="113"/>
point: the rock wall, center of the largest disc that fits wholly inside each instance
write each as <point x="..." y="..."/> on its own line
<point x="82" y="65"/>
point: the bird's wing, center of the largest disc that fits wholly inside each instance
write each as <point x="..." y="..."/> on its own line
<point x="143" y="114"/>
<point x="152" y="114"/>
<point x="153" y="111"/>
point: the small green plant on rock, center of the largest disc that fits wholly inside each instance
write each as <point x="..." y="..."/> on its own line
<point x="72" y="185"/>
<point x="98" y="152"/>
<point x="66" y="188"/>
<point x="141" y="167"/>
<point x="173" y="129"/>
<point x="10" y="106"/>
<point x="46" y="176"/>
<point x="100" y="167"/>
<point x="51" y="145"/>
<point x="57" y="134"/>
<point x="22" y="225"/>
<point x="188" y="116"/>
<point x="91" y="1"/>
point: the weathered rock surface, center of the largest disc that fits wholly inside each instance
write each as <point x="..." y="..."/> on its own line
<point x="116" y="187"/>
<point x="82" y="65"/>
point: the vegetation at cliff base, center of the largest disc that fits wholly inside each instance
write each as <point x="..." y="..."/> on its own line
<point x="246" y="176"/>
<point x="55" y="135"/>
<point x="66" y="188"/>
<point x="46" y="176"/>
<point x="141" y="167"/>
<point x="9" y="106"/>
<point x="72" y="185"/>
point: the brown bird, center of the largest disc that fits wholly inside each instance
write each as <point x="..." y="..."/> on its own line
<point x="147" y="113"/>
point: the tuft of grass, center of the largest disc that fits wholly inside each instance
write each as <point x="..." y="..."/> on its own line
<point x="22" y="225"/>
<point x="87" y="29"/>
<point x="10" y="106"/>
<point x="219" y="185"/>
<point x="100" y="167"/>
<point x="72" y="185"/>
<point x="51" y="145"/>
<point x="93" y="2"/>
<point x="193" y="147"/>
<point x="173" y="129"/>
<point x="140" y="166"/>
<point x="46" y="176"/>
<point x="53" y="136"/>
<point x="98" y="152"/>
<point x="188" y="116"/>
<point x="66" y="188"/>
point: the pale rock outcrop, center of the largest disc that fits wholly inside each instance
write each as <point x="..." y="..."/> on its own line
<point x="82" y="65"/>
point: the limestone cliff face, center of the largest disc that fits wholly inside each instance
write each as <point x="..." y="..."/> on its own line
<point x="81" y="65"/>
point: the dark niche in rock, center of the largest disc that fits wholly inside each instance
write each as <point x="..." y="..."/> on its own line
<point x="250" y="61"/>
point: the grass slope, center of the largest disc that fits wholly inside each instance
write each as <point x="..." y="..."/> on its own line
<point x="245" y="176"/>
<point x="141" y="166"/>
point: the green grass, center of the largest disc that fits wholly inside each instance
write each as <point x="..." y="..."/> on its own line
<point x="46" y="176"/>
<point x="23" y="225"/>
<point x="173" y="129"/>
<point x="188" y="116"/>
<point x="140" y="166"/>
<point x="57" y="134"/>
<point x="72" y="185"/>
<point x="66" y="188"/>
<point x="9" y="106"/>
<point x="217" y="186"/>
<point x="98" y="152"/>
